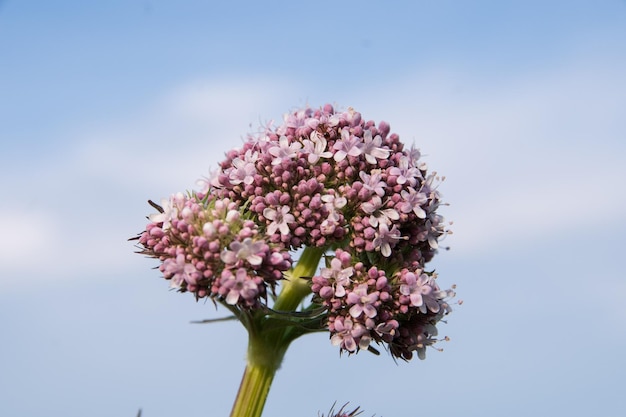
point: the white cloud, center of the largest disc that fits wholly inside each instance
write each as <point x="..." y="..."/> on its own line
<point x="91" y="196"/>
<point x="176" y="140"/>
<point x="25" y="234"/>
<point x="524" y="157"/>
<point x="521" y="158"/>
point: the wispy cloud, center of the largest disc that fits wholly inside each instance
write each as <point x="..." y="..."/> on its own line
<point x="71" y="218"/>
<point x="524" y="157"/>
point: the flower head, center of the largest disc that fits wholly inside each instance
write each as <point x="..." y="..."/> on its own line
<point x="207" y="246"/>
<point x="326" y="180"/>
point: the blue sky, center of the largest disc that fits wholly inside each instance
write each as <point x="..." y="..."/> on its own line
<point x="104" y="105"/>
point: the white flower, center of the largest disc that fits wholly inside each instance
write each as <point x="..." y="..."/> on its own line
<point x="373" y="182"/>
<point x="329" y="225"/>
<point x="422" y="291"/>
<point x="179" y="271"/>
<point x="334" y="202"/>
<point x="413" y="201"/>
<point x="347" y="333"/>
<point x="362" y="302"/>
<point x="316" y="147"/>
<point x="284" y="151"/>
<point x="246" y="250"/>
<point x="378" y="215"/>
<point x="347" y="145"/>
<point x="413" y="154"/>
<point x="238" y="286"/>
<point x="371" y="148"/>
<point x="340" y="275"/>
<point x="244" y="169"/>
<point x="406" y="172"/>
<point x="385" y="238"/>
<point x="281" y="219"/>
<point x="170" y="211"/>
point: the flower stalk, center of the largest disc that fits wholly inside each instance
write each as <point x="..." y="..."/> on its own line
<point x="263" y="362"/>
<point x="295" y="288"/>
<point x="267" y="344"/>
<point x="324" y="183"/>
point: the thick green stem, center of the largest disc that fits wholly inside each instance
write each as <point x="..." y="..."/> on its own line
<point x="264" y="359"/>
<point x="267" y="345"/>
<point x="294" y="287"/>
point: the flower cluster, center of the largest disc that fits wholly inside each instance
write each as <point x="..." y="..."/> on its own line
<point x="323" y="179"/>
<point x="330" y="179"/>
<point x="366" y="305"/>
<point x="208" y="247"/>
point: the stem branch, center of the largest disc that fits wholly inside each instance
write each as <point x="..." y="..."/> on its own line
<point x="266" y="344"/>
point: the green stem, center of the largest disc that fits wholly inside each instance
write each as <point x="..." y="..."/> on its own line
<point x="264" y="359"/>
<point x="267" y="345"/>
<point x="294" y="287"/>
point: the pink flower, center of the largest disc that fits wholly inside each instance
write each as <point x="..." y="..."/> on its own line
<point x="170" y="209"/>
<point x="179" y="271"/>
<point x="372" y="148"/>
<point x="378" y="214"/>
<point x="362" y="302"/>
<point x="238" y="286"/>
<point x="420" y="292"/>
<point x="338" y="274"/>
<point x="316" y="147"/>
<point x="243" y="169"/>
<point x="413" y="201"/>
<point x="348" y="335"/>
<point x="247" y="250"/>
<point x="281" y="219"/>
<point x="348" y="145"/>
<point x="373" y="183"/>
<point x="386" y="238"/>
<point x="284" y="151"/>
